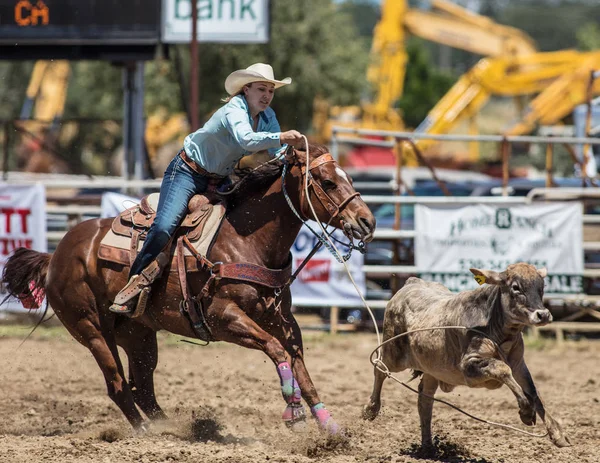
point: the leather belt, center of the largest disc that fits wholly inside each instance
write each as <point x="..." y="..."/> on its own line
<point x="196" y="168"/>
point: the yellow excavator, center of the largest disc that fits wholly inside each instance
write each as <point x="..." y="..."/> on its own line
<point x="559" y="79"/>
<point x="441" y="21"/>
<point x="45" y="101"/>
<point x="512" y="67"/>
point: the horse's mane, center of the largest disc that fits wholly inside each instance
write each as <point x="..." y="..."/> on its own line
<point x="248" y="181"/>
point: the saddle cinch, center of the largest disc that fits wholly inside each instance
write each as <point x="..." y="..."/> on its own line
<point x="191" y="242"/>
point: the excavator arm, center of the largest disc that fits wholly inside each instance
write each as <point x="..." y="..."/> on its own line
<point x="559" y="79"/>
<point x="442" y="22"/>
<point x="449" y="24"/>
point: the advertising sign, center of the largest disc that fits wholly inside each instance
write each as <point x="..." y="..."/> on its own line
<point x="22" y="224"/>
<point x="232" y="21"/>
<point x="449" y="241"/>
<point x="324" y="281"/>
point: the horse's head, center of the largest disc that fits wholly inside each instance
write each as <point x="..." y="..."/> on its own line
<point x="330" y="191"/>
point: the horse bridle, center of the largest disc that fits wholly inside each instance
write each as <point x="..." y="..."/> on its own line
<point x="326" y="201"/>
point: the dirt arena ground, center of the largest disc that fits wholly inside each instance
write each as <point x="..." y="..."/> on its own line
<point x="225" y="405"/>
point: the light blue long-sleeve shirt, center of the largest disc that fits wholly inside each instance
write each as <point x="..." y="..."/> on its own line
<point x="228" y="136"/>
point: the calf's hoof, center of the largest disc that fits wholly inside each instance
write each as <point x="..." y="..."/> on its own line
<point x="560" y="440"/>
<point x="370" y="412"/>
<point x="527" y="415"/>
<point x="142" y="429"/>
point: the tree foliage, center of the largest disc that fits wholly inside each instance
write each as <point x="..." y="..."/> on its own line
<point x="313" y="42"/>
<point x="553" y="24"/>
<point x="424" y="84"/>
<point x="588" y="36"/>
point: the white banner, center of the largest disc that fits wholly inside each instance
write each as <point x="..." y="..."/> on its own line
<point x="22" y="224"/>
<point x="229" y="21"/>
<point x="324" y="281"/>
<point x="113" y="204"/>
<point x="449" y="241"/>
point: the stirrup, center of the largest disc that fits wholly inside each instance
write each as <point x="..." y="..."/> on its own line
<point x="123" y="309"/>
<point x="142" y="302"/>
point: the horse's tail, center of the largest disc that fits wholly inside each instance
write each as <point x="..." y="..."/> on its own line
<point x="25" y="274"/>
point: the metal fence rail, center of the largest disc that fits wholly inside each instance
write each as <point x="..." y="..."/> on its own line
<point x="68" y="213"/>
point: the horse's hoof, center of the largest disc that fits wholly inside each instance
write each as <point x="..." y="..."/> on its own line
<point x="325" y="420"/>
<point x="331" y="427"/>
<point x="297" y="427"/>
<point x="294" y="417"/>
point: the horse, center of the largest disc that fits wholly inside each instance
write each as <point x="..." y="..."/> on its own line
<point x="263" y="218"/>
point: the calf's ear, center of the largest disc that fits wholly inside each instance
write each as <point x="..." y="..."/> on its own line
<point x="486" y="276"/>
<point x="542" y="272"/>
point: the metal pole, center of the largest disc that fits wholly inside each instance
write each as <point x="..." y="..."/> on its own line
<point x="7" y="126"/>
<point x="137" y="123"/>
<point x="399" y="151"/>
<point x="127" y="118"/>
<point x="588" y="124"/>
<point x="194" y="68"/>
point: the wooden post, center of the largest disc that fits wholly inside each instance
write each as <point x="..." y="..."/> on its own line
<point x="549" y="164"/>
<point x="334" y="316"/>
<point x="474" y="146"/>
<point x="505" y="164"/>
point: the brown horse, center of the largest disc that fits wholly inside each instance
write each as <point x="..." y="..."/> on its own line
<point x="259" y="227"/>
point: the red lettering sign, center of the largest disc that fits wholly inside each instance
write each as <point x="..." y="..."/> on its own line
<point x="316" y="270"/>
<point x="23" y="213"/>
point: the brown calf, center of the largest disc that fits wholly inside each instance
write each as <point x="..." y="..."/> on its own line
<point x="489" y="356"/>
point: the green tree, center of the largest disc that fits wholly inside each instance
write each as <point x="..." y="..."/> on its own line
<point x="553" y="24"/>
<point x="313" y="42"/>
<point x="13" y="78"/>
<point x="588" y="36"/>
<point x="424" y="84"/>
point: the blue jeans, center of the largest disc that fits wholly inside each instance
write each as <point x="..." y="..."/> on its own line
<point x="179" y="184"/>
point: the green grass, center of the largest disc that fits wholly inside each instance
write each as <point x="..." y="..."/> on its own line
<point x="20" y="331"/>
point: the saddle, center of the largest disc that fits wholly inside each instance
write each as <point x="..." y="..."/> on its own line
<point x="129" y="229"/>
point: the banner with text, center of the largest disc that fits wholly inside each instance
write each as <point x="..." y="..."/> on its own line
<point x="232" y="21"/>
<point x="22" y="224"/>
<point x="450" y="241"/>
<point x="324" y="281"/>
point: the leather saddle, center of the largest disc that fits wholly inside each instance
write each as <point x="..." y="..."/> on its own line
<point x="130" y="227"/>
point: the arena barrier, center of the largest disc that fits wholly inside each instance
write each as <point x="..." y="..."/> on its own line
<point x="66" y="206"/>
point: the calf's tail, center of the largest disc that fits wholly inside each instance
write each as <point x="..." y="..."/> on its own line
<point x="24" y="276"/>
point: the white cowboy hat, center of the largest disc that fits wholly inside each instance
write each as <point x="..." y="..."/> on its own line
<point x="258" y="72"/>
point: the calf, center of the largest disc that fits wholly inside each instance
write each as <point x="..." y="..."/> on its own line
<point x="488" y="356"/>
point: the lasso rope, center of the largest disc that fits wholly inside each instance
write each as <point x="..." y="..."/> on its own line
<point x="378" y="363"/>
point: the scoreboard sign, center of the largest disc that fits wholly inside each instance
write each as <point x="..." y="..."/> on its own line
<point x="39" y="25"/>
<point x="231" y="21"/>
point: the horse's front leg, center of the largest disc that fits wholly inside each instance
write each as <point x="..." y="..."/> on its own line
<point x="230" y="323"/>
<point x="294" y="346"/>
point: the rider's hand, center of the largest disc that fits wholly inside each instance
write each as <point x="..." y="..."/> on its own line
<point x="291" y="137"/>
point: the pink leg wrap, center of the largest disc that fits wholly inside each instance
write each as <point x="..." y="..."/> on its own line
<point x="289" y="387"/>
<point x="294" y="411"/>
<point x="324" y="418"/>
